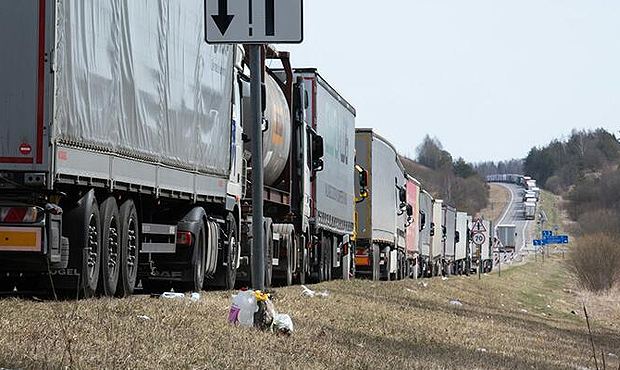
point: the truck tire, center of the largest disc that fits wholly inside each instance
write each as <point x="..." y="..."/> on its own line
<point x="329" y="253"/>
<point x="197" y="263"/>
<point x="110" y="242"/>
<point x="232" y="253"/>
<point x="375" y="256"/>
<point x="83" y="228"/>
<point x="386" y="264"/>
<point x="129" y="249"/>
<point x="268" y="230"/>
<point x="302" y="253"/>
<point x="291" y="245"/>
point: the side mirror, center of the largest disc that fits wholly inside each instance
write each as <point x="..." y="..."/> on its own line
<point x="306" y="100"/>
<point x="363" y="179"/>
<point x="422" y="220"/>
<point x="409" y="210"/>
<point x="457" y="237"/>
<point x="317" y="151"/>
<point x="317" y="146"/>
<point x="432" y="229"/>
<point x="402" y="195"/>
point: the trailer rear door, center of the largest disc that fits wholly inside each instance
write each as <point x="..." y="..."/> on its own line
<point x="22" y="84"/>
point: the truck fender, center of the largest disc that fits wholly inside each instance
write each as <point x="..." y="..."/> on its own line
<point x="191" y="222"/>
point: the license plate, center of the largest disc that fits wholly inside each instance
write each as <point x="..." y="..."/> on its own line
<point x="20" y="239"/>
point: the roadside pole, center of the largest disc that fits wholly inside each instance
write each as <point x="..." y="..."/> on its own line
<point x="258" y="237"/>
<point x="479" y="261"/>
<point x="280" y="22"/>
<point x="499" y="263"/>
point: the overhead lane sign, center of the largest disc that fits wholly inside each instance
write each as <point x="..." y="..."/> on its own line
<point x="253" y="21"/>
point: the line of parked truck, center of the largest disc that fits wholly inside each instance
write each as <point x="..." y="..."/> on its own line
<point x="124" y="164"/>
<point x="531" y="193"/>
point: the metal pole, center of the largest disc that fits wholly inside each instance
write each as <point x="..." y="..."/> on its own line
<point x="258" y="239"/>
<point x="499" y="264"/>
<point x="479" y="261"/>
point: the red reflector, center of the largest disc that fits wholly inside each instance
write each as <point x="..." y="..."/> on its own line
<point x="18" y="214"/>
<point x="184" y="238"/>
<point x="25" y="149"/>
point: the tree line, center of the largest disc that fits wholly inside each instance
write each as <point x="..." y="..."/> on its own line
<point x="454" y="181"/>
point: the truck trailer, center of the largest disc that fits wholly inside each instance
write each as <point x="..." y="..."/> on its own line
<point x="507" y="236"/>
<point x="333" y="192"/>
<point x="118" y="162"/>
<point x="437" y="240"/>
<point x="425" y="239"/>
<point x="380" y="251"/>
<point x="418" y="222"/>
<point x="462" y="262"/>
<point x="449" y="238"/>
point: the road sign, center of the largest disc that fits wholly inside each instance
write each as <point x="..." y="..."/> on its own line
<point x="478" y="226"/>
<point x="547" y="233"/>
<point x="556" y="239"/>
<point x="478" y="238"/>
<point x="254" y="21"/>
<point x="538" y="242"/>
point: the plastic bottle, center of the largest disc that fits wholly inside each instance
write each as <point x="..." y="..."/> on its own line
<point x="245" y="303"/>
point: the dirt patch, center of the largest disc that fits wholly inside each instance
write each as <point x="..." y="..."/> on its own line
<point x="499" y="198"/>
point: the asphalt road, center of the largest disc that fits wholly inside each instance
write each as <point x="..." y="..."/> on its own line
<point x="514" y="214"/>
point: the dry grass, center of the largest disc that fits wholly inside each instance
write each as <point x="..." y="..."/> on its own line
<point x="499" y="197"/>
<point x="361" y="325"/>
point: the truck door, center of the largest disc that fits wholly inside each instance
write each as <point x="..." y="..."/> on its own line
<point x="24" y="78"/>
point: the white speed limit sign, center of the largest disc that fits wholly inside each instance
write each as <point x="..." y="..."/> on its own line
<point x="478" y="238"/>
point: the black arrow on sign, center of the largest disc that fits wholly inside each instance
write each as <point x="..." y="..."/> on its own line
<point x="222" y="19"/>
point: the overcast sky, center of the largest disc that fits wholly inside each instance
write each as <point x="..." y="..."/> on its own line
<point x="489" y="78"/>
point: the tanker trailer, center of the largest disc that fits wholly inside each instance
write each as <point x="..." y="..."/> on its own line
<point x="426" y="234"/>
<point x="380" y="246"/>
<point x="113" y="175"/>
<point x="292" y="157"/>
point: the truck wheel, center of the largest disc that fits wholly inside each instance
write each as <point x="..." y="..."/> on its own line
<point x="83" y="227"/>
<point x="198" y="261"/>
<point x="376" y="267"/>
<point x="291" y="245"/>
<point x="268" y="229"/>
<point x="7" y="284"/>
<point x="329" y="260"/>
<point x="129" y="250"/>
<point x="110" y="241"/>
<point x="232" y="252"/>
<point x="302" y="253"/>
<point x="387" y="262"/>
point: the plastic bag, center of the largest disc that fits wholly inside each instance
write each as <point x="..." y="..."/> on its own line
<point x="243" y="308"/>
<point x="283" y="324"/>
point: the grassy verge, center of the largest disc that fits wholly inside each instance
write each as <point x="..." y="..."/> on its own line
<point x="521" y="320"/>
<point x="499" y="197"/>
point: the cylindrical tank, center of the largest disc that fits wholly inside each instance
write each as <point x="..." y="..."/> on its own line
<point x="277" y="137"/>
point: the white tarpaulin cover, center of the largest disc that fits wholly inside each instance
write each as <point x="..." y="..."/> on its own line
<point x="135" y="77"/>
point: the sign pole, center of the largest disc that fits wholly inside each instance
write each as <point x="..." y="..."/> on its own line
<point x="479" y="261"/>
<point x="258" y="239"/>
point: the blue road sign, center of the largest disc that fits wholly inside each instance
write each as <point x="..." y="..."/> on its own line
<point x="538" y="242"/>
<point x="556" y="239"/>
<point x="546" y="234"/>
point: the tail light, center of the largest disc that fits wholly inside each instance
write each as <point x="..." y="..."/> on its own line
<point x="17" y="215"/>
<point x="184" y="238"/>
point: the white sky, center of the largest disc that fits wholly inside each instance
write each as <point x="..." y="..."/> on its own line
<point x="489" y="78"/>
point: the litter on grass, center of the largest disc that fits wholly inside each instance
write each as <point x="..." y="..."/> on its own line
<point x="194" y="297"/>
<point x="456" y="302"/>
<point x="256" y="309"/>
<point x="307" y="292"/>
<point x="143" y="317"/>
